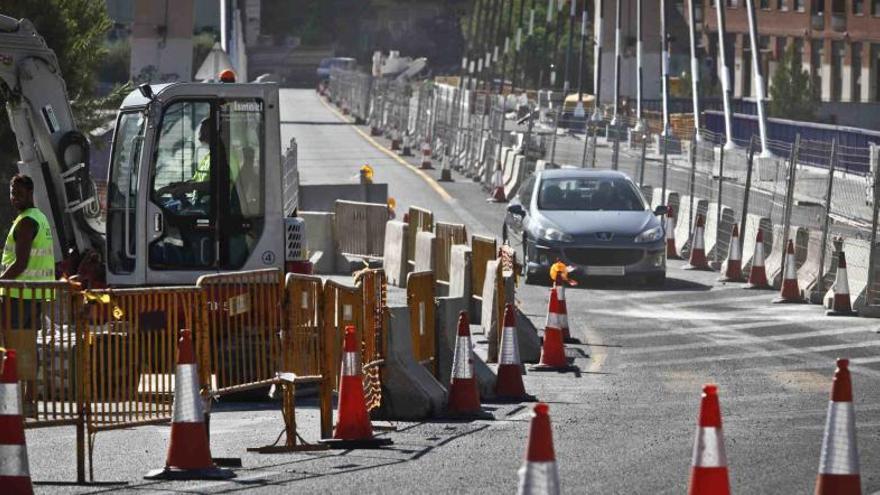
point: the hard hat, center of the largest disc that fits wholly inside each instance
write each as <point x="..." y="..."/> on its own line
<point x="227" y="76"/>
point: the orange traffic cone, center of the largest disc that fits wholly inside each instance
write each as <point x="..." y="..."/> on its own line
<point x="671" y="252"/>
<point x="698" y="259"/>
<point x="539" y="475"/>
<point x="353" y="427"/>
<point x="733" y="265"/>
<point x="497" y="186"/>
<point x="189" y="452"/>
<point x="758" y="274"/>
<point x="509" y="385"/>
<point x="426" y="155"/>
<point x="558" y="316"/>
<point x="709" y="464"/>
<point x="791" y="291"/>
<point x="839" y="461"/>
<point x="840" y="302"/>
<point x="464" y="396"/>
<point x="15" y="476"/>
<point x="553" y="348"/>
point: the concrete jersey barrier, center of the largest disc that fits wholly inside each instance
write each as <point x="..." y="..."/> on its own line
<point x="718" y="234"/>
<point x="394" y="262"/>
<point x="810" y="270"/>
<point x="685" y="221"/>
<point x="754" y="223"/>
<point x="426" y="252"/>
<point x="516" y="176"/>
<point x="448" y="309"/>
<point x="460" y="272"/>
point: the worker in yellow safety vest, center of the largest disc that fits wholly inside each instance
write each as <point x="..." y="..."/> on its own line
<point x="28" y="253"/>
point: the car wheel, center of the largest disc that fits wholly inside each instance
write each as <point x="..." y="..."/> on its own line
<point x="657" y="280"/>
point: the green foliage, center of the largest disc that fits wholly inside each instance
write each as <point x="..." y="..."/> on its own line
<point x="792" y="95"/>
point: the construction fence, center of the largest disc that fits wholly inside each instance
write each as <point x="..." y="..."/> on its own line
<point x="105" y="359"/>
<point x="820" y="194"/>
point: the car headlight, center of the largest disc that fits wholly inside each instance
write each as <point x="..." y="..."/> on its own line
<point x="552" y="234"/>
<point x="650" y="235"/>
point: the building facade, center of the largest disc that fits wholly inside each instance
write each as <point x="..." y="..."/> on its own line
<point x="838" y="42"/>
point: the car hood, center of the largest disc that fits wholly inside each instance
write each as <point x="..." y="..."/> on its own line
<point x="589" y="222"/>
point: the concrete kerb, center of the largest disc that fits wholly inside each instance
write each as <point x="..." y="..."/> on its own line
<point x="448" y="309"/>
<point x="426" y="252"/>
<point x="394" y="262"/>
<point x="753" y="224"/>
<point x="319" y="239"/>
<point x="409" y="391"/>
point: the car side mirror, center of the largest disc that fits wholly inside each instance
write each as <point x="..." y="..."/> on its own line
<point x="661" y="210"/>
<point x="516" y="209"/>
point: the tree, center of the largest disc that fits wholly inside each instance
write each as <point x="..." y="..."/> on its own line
<point x="792" y="95"/>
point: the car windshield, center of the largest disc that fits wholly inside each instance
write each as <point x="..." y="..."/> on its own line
<point x="589" y="194"/>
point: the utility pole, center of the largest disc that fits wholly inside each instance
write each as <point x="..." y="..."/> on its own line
<point x="617" y="40"/>
<point x="566" y="84"/>
<point x="597" y="59"/>
<point x="724" y="75"/>
<point x="758" y="76"/>
<point x="695" y="67"/>
<point x="640" y="80"/>
<point x="579" y="107"/>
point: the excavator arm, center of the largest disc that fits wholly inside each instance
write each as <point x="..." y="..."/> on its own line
<point x="51" y="149"/>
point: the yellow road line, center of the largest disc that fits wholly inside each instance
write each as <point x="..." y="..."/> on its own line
<point x="425" y="177"/>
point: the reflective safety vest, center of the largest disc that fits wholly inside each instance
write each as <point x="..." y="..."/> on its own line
<point x="41" y="263"/>
<point x="202" y="172"/>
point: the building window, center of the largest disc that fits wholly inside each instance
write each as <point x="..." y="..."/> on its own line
<point x="816" y="49"/>
<point x="837" y="54"/>
<point x="875" y="7"/>
<point x="859" y="7"/>
<point x="782" y="5"/>
<point x="799" y="5"/>
<point x="765" y="4"/>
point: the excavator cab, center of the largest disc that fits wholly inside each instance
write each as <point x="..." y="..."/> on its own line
<point x="192" y="186"/>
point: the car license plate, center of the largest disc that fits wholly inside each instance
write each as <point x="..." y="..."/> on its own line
<point x="605" y="271"/>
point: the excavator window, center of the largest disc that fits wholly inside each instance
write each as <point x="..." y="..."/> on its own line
<point x="122" y="192"/>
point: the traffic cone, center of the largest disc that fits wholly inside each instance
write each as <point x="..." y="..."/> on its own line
<point x="790" y="292"/>
<point x="560" y="315"/>
<point x="839" y="460"/>
<point x="758" y="274"/>
<point x="840" y="302"/>
<point x="395" y="140"/>
<point x="709" y="463"/>
<point x="538" y="474"/>
<point x="353" y="427"/>
<point x="733" y="265"/>
<point x="406" y="145"/>
<point x="497" y="186"/>
<point x="553" y="348"/>
<point x="426" y="155"/>
<point x="15" y="476"/>
<point x="671" y="252"/>
<point x="464" y="396"/>
<point x="509" y="385"/>
<point x="698" y="259"/>
<point x="189" y="452"/>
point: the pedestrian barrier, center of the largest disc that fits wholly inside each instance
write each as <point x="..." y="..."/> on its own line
<point x="419" y="220"/>
<point x="448" y="235"/>
<point x="395" y="262"/>
<point x="375" y="345"/>
<point x="420" y="300"/>
<point x="360" y="229"/>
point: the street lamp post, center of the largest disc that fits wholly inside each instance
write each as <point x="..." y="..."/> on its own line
<point x="724" y="75"/>
<point x="759" y="78"/>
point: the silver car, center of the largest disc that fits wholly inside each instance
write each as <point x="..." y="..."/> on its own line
<point x="595" y="220"/>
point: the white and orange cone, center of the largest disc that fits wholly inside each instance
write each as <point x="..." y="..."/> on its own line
<point x="464" y="396"/>
<point x="697" y="260"/>
<point x="539" y="475"/>
<point x="558" y="317"/>
<point x="671" y="252"/>
<point x="758" y="274"/>
<point x="189" y="452"/>
<point x="709" y="462"/>
<point x="353" y="427"/>
<point x="553" y="347"/>
<point x="733" y="266"/>
<point x="509" y="384"/>
<point x="426" y="155"/>
<point x="497" y="186"/>
<point x="841" y="305"/>
<point x="790" y="291"/>
<point x="839" y="461"/>
<point x="15" y="476"/>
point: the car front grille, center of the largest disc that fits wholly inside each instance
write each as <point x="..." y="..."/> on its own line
<point x="603" y="257"/>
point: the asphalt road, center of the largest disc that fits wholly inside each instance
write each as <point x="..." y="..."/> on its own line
<point x="623" y="425"/>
